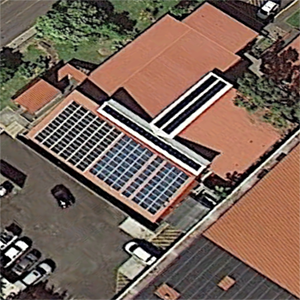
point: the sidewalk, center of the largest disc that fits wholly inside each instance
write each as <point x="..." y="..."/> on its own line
<point x="25" y="36"/>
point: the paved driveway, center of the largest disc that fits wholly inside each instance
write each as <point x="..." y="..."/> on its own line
<point x="84" y="240"/>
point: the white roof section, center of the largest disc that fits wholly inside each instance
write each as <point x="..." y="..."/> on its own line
<point x="190" y="105"/>
<point x="199" y="162"/>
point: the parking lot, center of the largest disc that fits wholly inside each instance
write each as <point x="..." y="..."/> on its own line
<point x="83" y="240"/>
<point x="200" y="268"/>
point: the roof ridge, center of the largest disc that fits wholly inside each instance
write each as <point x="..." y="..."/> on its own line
<point x="157" y="55"/>
<point x="193" y="29"/>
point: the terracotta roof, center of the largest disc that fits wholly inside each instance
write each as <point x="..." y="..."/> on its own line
<point x="37" y="96"/>
<point x="167" y="59"/>
<point x="220" y="28"/>
<point x="262" y="229"/>
<point x="68" y="70"/>
<point x="230" y="130"/>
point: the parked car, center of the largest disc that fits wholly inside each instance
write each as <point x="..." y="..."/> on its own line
<point x="26" y="262"/>
<point x="269" y="9"/>
<point x="63" y="196"/>
<point x="5" y="188"/>
<point x="9" y="235"/>
<point x="15" y="251"/>
<point x="135" y="249"/>
<point x="38" y="274"/>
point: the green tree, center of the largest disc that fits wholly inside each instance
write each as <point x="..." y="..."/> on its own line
<point x="34" y="68"/>
<point x="10" y="60"/>
<point x="72" y="21"/>
<point x="222" y="192"/>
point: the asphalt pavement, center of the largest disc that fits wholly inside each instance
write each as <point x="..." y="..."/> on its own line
<point x="19" y="15"/>
<point x="199" y="269"/>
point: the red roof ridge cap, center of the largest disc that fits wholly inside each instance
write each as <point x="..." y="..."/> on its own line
<point x="157" y="55"/>
<point x="219" y="45"/>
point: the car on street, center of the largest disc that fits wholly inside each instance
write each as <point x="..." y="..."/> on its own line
<point x="267" y="10"/>
<point x="140" y="252"/>
<point x="36" y="275"/>
<point x="26" y="263"/>
<point x="15" y="251"/>
<point x="63" y="196"/>
<point x="9" y="235"/>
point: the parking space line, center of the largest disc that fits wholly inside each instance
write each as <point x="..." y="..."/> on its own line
<point x="203" y="285"/>
<point x="255" y="275"/>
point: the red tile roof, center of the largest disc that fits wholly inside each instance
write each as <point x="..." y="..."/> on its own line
<point x="68" y="70"/>
<point x="220" y="28"/>
<point x="262" y="229"/>
<point x="37" y="96"/>
<point x="168" y="58"/>
<point x="230" y="130"/>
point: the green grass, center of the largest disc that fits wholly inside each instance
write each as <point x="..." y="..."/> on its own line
<point x="32" y="53"/>
<point x="87" y="51"/>
<point x="135" y="8"/>
<point x="10" y="88"/>
<point x="294" y="19"/>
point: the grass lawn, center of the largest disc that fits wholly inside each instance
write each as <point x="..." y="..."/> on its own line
<point x="87" y="51"/>
<point x="10" y="88"/>
<point x="294" y="19"/>
<point x="135" y="8"/>
<point x="32" y="53"/>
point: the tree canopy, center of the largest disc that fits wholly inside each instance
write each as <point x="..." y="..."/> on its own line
<point x="74" y="21"/>
<point x="9" y="63"/>
<point x="279" y="105"/>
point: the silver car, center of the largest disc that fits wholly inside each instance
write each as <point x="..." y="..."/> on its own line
<point x="25" y="263"/>
<point x="39" y="273"/>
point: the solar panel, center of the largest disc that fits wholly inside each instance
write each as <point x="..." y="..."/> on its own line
<point x="208" y="82"/>
<point x="121" y="162"/>
<point x="149" y="136"/>
<point x="128" y="167"/>
<point x="193" y="108"/>
<point x="156" y="194"/>
<point x="78" y="136"/>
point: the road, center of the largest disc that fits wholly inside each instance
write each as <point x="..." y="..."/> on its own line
<point x="19" y="15"/>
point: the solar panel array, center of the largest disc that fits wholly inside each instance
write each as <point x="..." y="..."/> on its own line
<point x="169" y="115"/>
<point x="194" y="107"/>
<point x="152" y="138"/>
<point x="139" y="174"/>
<point x="78" y="136"/>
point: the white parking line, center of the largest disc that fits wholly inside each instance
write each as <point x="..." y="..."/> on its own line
<point x="3" y="2"/>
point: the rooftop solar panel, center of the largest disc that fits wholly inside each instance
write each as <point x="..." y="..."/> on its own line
<point x="78" y="136"/>
<point x="149" y="136"/>
<point x="193" y="108"/>
<point x="169" y="115"/>
<point x="130" y="169"/>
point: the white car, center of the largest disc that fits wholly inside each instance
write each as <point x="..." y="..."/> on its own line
<point x="38" y="274"/>
<point x="267" y="10"/>
<point x="6" y="239"/>
<point x="134" y="249"/>
<point x="15" y="251"/>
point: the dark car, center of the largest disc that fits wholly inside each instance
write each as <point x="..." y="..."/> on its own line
<point x="25" y="263"/>
<point x="63" y="196"/>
